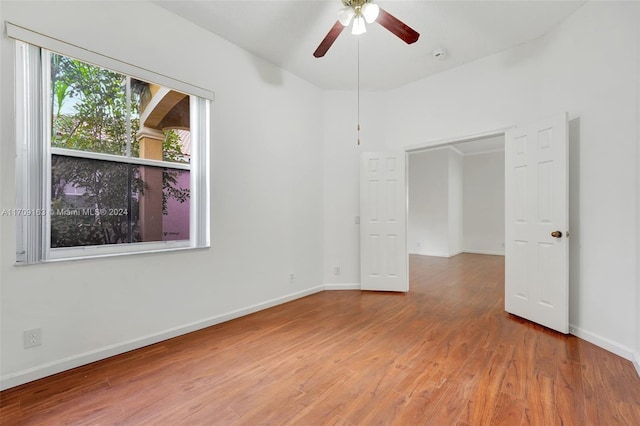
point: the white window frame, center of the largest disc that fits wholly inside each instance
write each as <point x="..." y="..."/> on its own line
<point x="33" y="168"/>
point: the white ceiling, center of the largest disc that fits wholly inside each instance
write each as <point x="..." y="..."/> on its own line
<point x="287" y="32"/>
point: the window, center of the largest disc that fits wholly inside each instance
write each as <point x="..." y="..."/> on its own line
<point x="108" y="163"/>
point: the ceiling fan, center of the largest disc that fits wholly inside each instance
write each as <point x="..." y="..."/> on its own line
<point x="359" y="12"/>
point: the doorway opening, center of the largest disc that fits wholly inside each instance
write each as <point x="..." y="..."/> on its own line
<point x="456" y="198"/>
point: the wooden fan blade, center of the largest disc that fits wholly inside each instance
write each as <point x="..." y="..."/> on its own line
<point x="399" y="28"/>
<point x="331" y="36"/>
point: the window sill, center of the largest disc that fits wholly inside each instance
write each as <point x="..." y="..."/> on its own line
<point x="110" y="255"/>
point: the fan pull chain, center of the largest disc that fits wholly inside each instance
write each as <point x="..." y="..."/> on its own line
<point x="358" y="91"/>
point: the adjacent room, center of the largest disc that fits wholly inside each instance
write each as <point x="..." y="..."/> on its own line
<point x="456" y="199"/>
<point x="319" y="212"/>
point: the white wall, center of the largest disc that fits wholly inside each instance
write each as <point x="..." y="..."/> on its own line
<point x="428" y="219"/>
<point x="484" y="203"/>
<point x="456" y="181"/>
<point x="341" y="159"/>
<point x="591" y="74"/>
<point x="456" y="203"/>
<point x="266" y="199"/>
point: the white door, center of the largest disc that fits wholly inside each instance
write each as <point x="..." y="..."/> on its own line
<point x="383" y="204"/>
<point x="537" y="220"/>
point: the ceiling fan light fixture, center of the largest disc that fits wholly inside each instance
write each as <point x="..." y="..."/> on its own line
<point x="356" y="12"/>
<point x="345" y="15"/>
<point x="370" y="12"/>
<point x="358" y="26"/>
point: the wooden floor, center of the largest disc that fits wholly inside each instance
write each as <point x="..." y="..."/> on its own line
<point x="444" y="354"/>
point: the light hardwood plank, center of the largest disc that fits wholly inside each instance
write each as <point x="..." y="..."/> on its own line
<point x="445" y="353"/>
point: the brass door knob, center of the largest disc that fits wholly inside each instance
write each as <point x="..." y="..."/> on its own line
<point x="556" y="234"/>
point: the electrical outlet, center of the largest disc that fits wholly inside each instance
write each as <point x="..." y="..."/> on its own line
<point x="291" y="277"/>
<point x="32" y="338"/>
<point x="336" y="270"/>
<point x="418" y="244"/>
<point x="356" y="220"/>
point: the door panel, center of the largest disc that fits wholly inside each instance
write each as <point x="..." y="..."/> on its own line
<point x="536" y="204"/>
<point x="383" y="257"/>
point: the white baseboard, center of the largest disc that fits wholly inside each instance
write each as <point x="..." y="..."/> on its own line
<point x="636" y="362"/>
<point x="492" y="253"/>
<point x="434" y="253"/>
<point x="603" y="342"/>
<point x="44" y="370"/>
<point x="429" y="253"/>
<point x="441" y="254"/>
<point x="342" y="286"/>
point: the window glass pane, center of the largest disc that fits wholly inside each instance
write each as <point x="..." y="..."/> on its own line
<point x="176" y="204"/>
<point x="161" y="118"/>
<point x="88" y="107"/>
<point x="98" y="110"/>
<point x="164" y="204"/>
<point x="95" y="202"/>
<point x="177" y="146"/>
